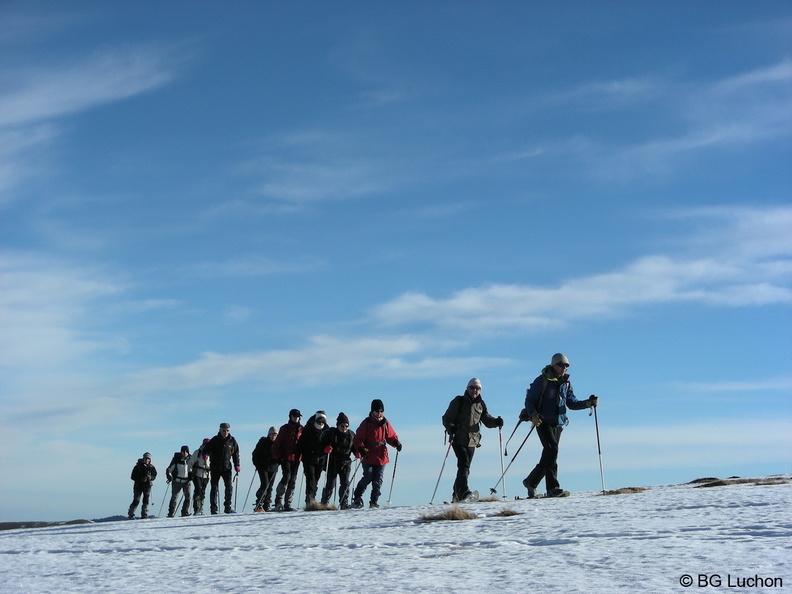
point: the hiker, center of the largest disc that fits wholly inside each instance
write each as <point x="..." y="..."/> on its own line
<point x="338" y="445"/>
<point x="546" y="403"/>
<point x="179" y="474"/>
<point x="223" y="453"/>
<point x="312" y="453"/>
<point x="143" y="474"/>
<point x="200" y="477"/>
<point x="266" y="467"/>
<point x="371" y="440"/>
<point x="284" y="449"/>
<point x="462" y="422"/>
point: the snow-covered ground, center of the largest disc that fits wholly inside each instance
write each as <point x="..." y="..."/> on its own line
<point x="585" y="543"/>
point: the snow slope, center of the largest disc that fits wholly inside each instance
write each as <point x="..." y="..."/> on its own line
<point x="585" y="543"/>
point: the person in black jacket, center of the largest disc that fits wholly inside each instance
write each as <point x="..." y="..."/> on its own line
<point x="462" y="422"/>
<point x="143" y="474"/>
<point x="312" y="451"/>
<point x="337" y="444"/>
<point x="223" y="452"/>
<point x="267" y="467"/>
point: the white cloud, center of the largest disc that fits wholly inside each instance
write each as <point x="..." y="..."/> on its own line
<point x="44" y="93"/>
<point x="748" y="264"/>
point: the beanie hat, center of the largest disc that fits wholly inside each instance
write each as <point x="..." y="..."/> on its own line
<point x="474" y="382"/>
<point x="320" y="416"/>
<point x="342" y="418"/>
<point x="295" y="413"/>
<point x="559" y="358"/>
<point x="225" y="426"/>
<point x="272" y="430"/>
<point x="185" y="449"/>
<point x="377" y="405"/>
<point x="147" y="456"/>
<point x="206" y="440"/>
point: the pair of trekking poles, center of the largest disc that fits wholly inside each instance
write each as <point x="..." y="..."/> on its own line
<point x="494" y="489"/>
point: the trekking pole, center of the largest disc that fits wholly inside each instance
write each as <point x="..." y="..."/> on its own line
<point x="244" y="505"/>
<point x="500" y="438"/>
<point x="599" y="449"/>
<point x="236" y="489"/>
<point x="393" y="479"/>
<point x="441" y="473"/>
<point x="510" y="436"/>
<point x="495" y="488"/>
<point x="159" y="513"/>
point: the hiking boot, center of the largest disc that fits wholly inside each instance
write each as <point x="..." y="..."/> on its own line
<point x="531" y="490"/>
<point x="558" y="492"/>
<point x="373" y="504"/>
<point x="357" y="503"/>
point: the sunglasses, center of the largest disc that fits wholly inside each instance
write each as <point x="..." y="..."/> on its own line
<point x="564" y="365"/>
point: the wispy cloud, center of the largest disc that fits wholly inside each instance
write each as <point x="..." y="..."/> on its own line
<point x="41" y="93"/>
<point x="741" y="270"/>
<point x="321" y="358"/>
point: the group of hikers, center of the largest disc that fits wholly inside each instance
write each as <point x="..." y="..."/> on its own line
<point x="331" y="449"/>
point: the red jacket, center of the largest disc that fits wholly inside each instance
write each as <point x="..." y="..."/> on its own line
<point x="285" y="444"/>
<point x="373" y="435"/>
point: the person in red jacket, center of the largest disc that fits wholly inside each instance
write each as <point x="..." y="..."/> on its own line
<point x="284" y="449"/>
<point x="371" y="440"/>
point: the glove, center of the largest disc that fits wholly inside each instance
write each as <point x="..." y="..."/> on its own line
<point x="525" y="416"/>
<point x="536" y="419"/>
<point x="500" y="422"/>
<point x="238" y="469"/>
<point x="357" y="455"/>
<point x="398" y="446"/>
<point x="168" y="478"/>
<point x="592" y="402"/>
<point x="328" y="449"/>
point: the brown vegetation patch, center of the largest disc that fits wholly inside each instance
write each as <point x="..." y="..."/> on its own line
<point x="491" y="499"/>
<point x="507" y="512"/>
<point x="771" y="480"/>
<point x="318" y="506"/>
<point x="625" y="491"/>
<point x="451" y="513"/>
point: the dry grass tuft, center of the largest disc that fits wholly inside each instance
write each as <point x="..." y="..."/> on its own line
<point x="451" y="513"/>
<point x="490" y="499"/>
<point x="318" y="506"/>
<point x="625" y="491"/>
<point x="506" y="512"/>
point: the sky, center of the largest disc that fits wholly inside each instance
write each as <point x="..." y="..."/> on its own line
<point x="215" y="214"/>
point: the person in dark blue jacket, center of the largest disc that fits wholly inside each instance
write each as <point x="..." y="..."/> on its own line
<point x="546" y="404"/>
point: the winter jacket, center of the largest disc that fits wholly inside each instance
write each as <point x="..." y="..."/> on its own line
<point x="342" y="443"/>
<point x="263" y="459"/>
<point x="463" y="420"/>
<point x="179" y="470"/>
<point x="223" y="452"/>
<point x="372" y="437"/>
<point x="284" y="447"/>
<point x="143" y="473"/>
<point x="550" y="397"/>
<point x="200" y="467"/>
<point x="310" y="444"/>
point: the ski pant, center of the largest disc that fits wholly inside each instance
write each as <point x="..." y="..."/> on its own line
<point x="227" y="477"/>
<point x="313" y="472"/>
<point x="140" y="490"/>
<point x="547" y="468"/>
<point x="199" y="482"/>
<point x="267" y="481"/>
<point x="464" y="457"/>
<point x="180" y="487"/>
<point x="337" y="468"/>
<point x="285" y="490"/>
<point x="372" y="475"/>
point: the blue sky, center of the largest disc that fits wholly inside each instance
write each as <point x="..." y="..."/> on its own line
<point x="217" y="214"/>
